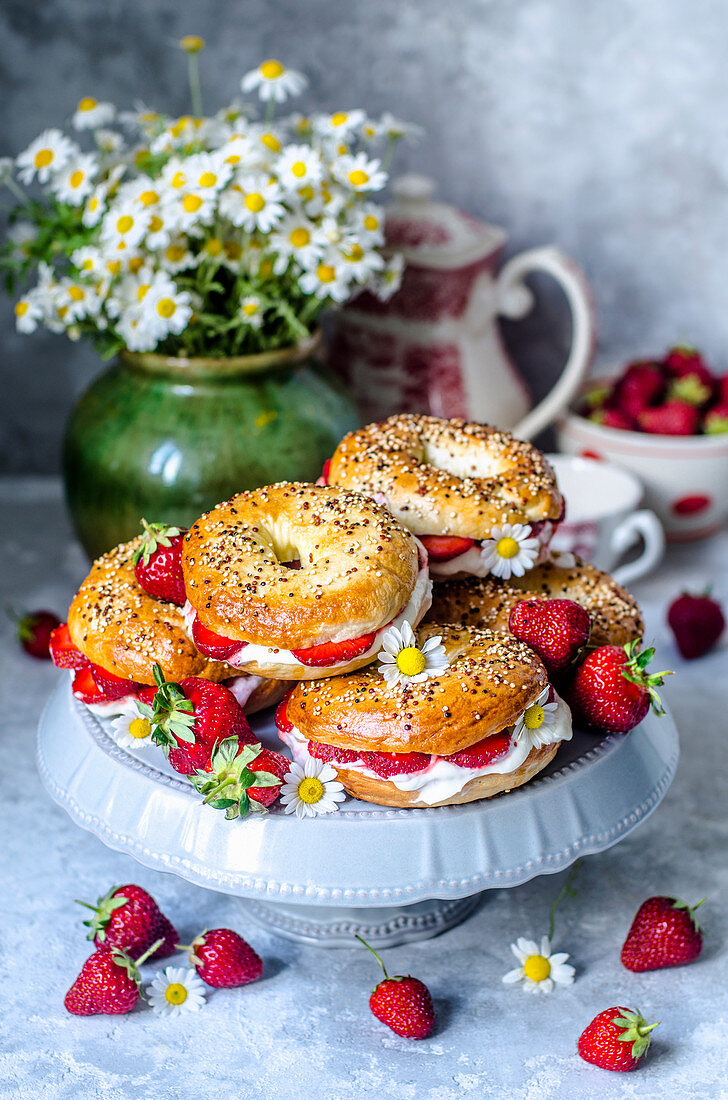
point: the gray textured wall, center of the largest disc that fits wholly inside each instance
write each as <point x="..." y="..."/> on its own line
<point x="598" y="124"/>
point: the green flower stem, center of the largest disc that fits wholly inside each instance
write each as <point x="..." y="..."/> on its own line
<point x="193" y="72"/>
<point x="567" y="890"/>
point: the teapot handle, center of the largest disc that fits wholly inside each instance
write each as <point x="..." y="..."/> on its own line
<point x="515" y="300"/>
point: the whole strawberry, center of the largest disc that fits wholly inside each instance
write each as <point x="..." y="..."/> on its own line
<point x="158" y="562"/>
<point x="616" y="1039"/>
<point x="642" y="384"/>
<point x="697" y="623"/>
<point x="402" y="1003"/>
<point x="612" y="690"/>
<point x="241" y="778"/>
<point x="129" y="919"/>
<point x="224" y="959"/>
<point x="34" y="631"/>
<point x="613" y="418"/>
<point x="715" y="421"/>
<point x="663" y="933"/>
<point x="108" y="983"/>
<point x="190" y="718"/>
<point x="555" y="629"/>
<point x="673" y="418"/>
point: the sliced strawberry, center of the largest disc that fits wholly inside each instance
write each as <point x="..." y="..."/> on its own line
<point x="84" y="687"/>
<point x="146" y="694"/>
<point x="214" y="645"/>
<point x="276" y="764"/>
<point x="330" y="754"/>
<point x="334" y="653"/>
<point x="445" y="547"/>
<point x="482" y="752"/>
<point x="64" y="653"/>
<point x="113" y="687"/>
<point x="282" y="720"/>
<point x="325" y="472"/>
<point x="395" y="763"/>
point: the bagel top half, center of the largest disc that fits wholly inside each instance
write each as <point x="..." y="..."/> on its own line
<point x="448" y="477"/>
<point x="487" y="602"/>
<point x="358" y="566"/>
<point x="117" y="625"/>
<point x="490" y="681"/>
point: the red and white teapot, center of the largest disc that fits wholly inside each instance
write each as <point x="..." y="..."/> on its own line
<point x="435" y="346"/>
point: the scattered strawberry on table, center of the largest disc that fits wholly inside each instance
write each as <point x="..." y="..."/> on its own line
<point x="158" y="562"/>
<point x="555" y="629"/>
<point x="612" y="690"/>
<point x="129" y="919"/>
<point x="663" y="933"/>
<point x="617" y="1039"/>
<point x="34" y="630"/>
<point x="675" y="395"/>
<point x="109" y="983"/>
<point x="403" y="1003"/>
<point x="697" y="621"/>
<point x="224" y="959"/>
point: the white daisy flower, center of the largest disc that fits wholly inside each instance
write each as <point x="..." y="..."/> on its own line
<point x="108" y="142"/>
<point x="537" y="724"/>
<point x="74" y="300"/>
<point x="122" y="227"/>
<point x="298" y="165"/>
<point x="254" y="203"/>
<point x="165" y="307"/>
<point x="274" y="81"/>
<point x="75" y="180"/>
<point x="240" y="152"/>
<point x="184" y="211"/>
<point x="389" y="279"/>
<point x="29" y="312"/>
<point x="45" y="156"/>
<point x="175" y="991"/>
<point x="134" y="329"/>
<point x="510" y="550"/>
<point x="360" y="173"/>
<point x="90" y="114"/>
<point x="367" y="223"/>
<point x="394" y="129"/>
<point x="339" y="124"/>
<point x="177" y="256"/>
<point x="251" y="310"/>
<point x="361" y="264"/>
<point x="296" y="237"/>
<point x="539" y="970"/>
<point x="95" y="207"/>
<point x="403" y="661"/>
<point x="208" y="173"/>
<point x="311" y="789"/>
<point x="329" y="279"/>
<point x="132" y="729"/>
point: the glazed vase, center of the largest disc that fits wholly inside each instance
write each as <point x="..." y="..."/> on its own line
<point x="168" y="438"/>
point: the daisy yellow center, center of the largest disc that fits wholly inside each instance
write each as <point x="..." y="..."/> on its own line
<point x="178" y="180"/>
<point x="411" y="661"/>
<point x="139" y="729"/>
<point x="355" y="253"/>
<point x="21" y="308"/>
<point x="192" y="203"/>
<point x="87" y="265"/>
<point x="233" y="251"/>
<point x="371" y="223"/>
<point x="534" y="716"/>
<point x="506" y="547"/>
<point x="310" y="790"/>
<point x="299" y="238"/>
<point x="93" y="203"/>
<point x="87" y="103"/>
<point x="339" y="118"/>
<point x="537" y="968"/>
<point x="176" y="993"/>
<point x="76" y="293"/>
<point x="358" y="178"/>
<point x="148" y="198"/>
<point x="141" y="294"/>
<point x="271" y="142"/>
<point x="43" y="158"/>
<point x="192" y="43"/>
<point x="114" y="266"/>
<point x="266" y="268"/>
<point x="213" y="247"/>
<point x="208" y="179"/>
<point x="250" y="309"/>
<point x="234" y="158"/>
<point x="271" y="70"/>
<point x="76" y="178"/>
<point x="135" y="264"/>
<point x="307" y="194"/>
<point x="342" y="149"/>
<point x="298" y="169"/>
<point x="166" y="307"/>
<point x="155" y="224"/>
<point x="254" y="202"/>
<point x="175" y="253"/>
<point x="124" y="223"/>
<point x="326" y="273"/>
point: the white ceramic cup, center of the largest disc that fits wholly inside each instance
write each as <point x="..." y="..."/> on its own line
<point x="603" y="521"/>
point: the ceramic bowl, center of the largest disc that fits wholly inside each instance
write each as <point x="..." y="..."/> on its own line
<point x="685" y="478"/>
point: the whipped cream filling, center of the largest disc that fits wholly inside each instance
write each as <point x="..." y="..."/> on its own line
<point x="109" y="708"/>
<point x="243" y="687"/>
<point x="472" y="561"/>
<point x="441" y="779"/>
<point x="265" y="656"/>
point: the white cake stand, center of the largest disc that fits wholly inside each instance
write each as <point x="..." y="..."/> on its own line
<point x="390" y="875"/>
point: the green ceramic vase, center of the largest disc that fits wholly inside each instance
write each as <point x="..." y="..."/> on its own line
<point x="168" y="438"/>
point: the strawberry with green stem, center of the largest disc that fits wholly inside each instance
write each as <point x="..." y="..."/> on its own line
<point x="129" y="919"/>
<point x="158" y="562"/>
<point x="403" y="1003"/>
<point x="109" y="983"/>
<point x="617" y="1039"/>
<point x="612" y="690"/>
<point x="232" y="784"/>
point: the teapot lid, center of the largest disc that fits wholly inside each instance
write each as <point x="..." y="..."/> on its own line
<point x="434" y="234"/>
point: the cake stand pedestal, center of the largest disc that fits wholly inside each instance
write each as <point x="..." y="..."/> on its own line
<point x="390" y="875"/>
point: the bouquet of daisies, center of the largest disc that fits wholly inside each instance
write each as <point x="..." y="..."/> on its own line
<point x="215" y="236"/>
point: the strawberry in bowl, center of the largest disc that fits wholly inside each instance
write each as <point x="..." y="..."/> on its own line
<point x="666" y="420"/>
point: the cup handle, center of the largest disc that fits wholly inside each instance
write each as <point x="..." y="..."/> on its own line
<point x="515" y="300"/>
<point x="646" y="525"/>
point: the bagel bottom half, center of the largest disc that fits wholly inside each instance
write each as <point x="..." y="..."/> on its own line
<point x="373" y="789"/>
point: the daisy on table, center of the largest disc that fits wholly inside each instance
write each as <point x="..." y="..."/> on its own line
<point x="538" y="969"/>
<point x="175" y="991"/>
